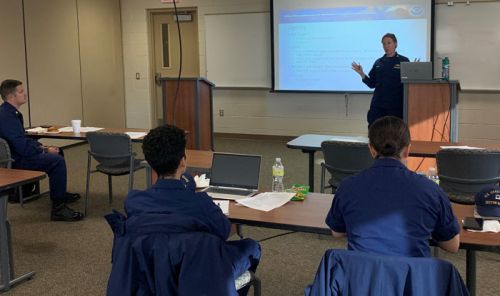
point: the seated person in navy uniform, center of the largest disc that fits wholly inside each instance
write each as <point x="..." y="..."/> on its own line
<point x="388" y="209"/>
<point x="29" y="154"/>
<point x="174" y="193"/>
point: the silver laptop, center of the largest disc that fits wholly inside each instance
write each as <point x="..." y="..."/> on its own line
<point x="234" y="176"/>
<point x="416" y="71"/>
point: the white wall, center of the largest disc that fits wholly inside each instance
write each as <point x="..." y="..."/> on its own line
<point x="259" y="111"/>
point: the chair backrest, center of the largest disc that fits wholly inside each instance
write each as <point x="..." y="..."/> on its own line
<point x="153" y="256"/>
<point x="110" y="149"/>
<point x="464" y="172"/>
<point x="343" y="272"/>
<point x="5" y="157"/>
<point x="343" y="159"/>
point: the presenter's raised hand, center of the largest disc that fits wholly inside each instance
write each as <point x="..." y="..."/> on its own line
<point x="358" y="68"/>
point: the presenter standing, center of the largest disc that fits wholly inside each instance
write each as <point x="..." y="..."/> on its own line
<point x="385" y="78"/>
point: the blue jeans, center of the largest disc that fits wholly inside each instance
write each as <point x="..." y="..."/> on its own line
<point x="245" y="255"/>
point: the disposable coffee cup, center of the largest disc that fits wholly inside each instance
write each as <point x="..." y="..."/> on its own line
<point x="76" y="124"/>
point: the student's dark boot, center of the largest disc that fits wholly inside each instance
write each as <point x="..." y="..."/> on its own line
<point x="71" y="197"/>
<point x="60" y="212"/>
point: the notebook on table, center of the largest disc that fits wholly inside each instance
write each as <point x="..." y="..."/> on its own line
<point x="234" y="176"/>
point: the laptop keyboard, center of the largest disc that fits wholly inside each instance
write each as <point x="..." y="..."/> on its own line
<point x="227" y="191"/>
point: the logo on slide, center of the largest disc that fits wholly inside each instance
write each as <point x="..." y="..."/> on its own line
<point x="417" y="10"/>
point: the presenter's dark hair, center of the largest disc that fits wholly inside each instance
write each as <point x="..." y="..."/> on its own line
<point x="163" y="148"/>
<point x="388" y="136"/>
<point x="8" y="87"/>
<point x="390" y="35"/>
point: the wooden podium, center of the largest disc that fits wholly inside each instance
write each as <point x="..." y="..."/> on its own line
<point x="191" y="111"/>
<point x="430" y="110"/>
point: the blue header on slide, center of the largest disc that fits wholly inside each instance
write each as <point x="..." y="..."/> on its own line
<point x="353" y="14"/>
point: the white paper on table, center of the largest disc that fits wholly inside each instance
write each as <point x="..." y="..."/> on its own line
<point x="136" y="135"/>
<point x="223" y="205"/>
<point x="461" y="147"/>
<point x="86" y="129"/>
<point x="37" y="130"/>
<point x="266" y="201"/>
<point x="489" y="226"/>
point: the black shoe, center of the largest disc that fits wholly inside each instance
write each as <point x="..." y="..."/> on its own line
<point x="71" y="197"/>
<point x="62" y="213"/>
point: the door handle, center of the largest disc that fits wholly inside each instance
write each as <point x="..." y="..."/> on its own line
<point x="158" y="78"/>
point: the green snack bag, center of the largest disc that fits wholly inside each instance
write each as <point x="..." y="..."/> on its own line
<point x="301" y="192"/>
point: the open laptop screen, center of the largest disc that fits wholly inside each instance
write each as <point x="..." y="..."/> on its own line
<point x="235" y="170"/>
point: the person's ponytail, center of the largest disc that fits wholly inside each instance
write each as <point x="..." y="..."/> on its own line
<point x="389" y="135"/>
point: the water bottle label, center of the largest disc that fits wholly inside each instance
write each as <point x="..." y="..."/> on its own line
<point x="279" y="172"/>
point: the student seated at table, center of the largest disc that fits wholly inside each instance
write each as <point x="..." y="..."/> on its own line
<point x="29" y="154"/>
<point x="388" y="209"/>
<point x="173" y="196"/>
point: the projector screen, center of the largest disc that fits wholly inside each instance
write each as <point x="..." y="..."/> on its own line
<point x="315" y="41"/>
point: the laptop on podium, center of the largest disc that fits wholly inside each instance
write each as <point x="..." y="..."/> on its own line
<point x="416" y="71"/>
<point x="234" y="176"/>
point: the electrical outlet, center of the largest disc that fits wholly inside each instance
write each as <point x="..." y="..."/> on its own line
<point x="221" y="112"/>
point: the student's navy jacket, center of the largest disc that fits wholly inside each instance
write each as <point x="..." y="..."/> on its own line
<point x="343" y="272"/>
<point x="173" y="242"/>
<point x="167" y="254"/>
<point x="12" y="130"/>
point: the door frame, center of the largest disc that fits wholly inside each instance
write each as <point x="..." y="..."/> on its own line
<point x="157" y="107"/>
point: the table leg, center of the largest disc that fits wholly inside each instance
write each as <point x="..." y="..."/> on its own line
<point x="311" y="169"/>
<point x="6" y="265"/>
<point x="470" y="271"/>
<point x="4" y="246"/>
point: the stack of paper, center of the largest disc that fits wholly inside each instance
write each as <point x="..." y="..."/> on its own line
<point x="266" y="201"/>
<point x="136" y="135"/>
<point x="460" y="147"/>
<point x="223" y="205"/>
<point x="69" y="129"/>
<point x="201" y="181"/>
<point x="489" y="226"/>
<point x="37" y="130"/>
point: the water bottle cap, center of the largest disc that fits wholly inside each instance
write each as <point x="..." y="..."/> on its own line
<point x="278" y="158"/>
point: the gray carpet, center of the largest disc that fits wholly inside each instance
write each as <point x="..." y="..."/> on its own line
<point x="74" y="258"/>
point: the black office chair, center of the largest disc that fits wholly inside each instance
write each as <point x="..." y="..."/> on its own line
<point x="5" y="157"/>
<point x="113" y="152"/>
<point x="343" y="159"/>
<point x="464" y="172"/>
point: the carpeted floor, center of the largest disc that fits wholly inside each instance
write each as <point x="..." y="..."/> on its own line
<point x="74" y="258"/>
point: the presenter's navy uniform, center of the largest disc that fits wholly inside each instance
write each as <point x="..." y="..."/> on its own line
<point x="388" y="209"/>
<point x="28" y="153"/>
<point x="169" y="196"/>
<point x="385" y="77"/>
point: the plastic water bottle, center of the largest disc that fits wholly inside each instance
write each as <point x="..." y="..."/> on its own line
<point x="446" y="68"/>
<point x="278" y="173"/>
